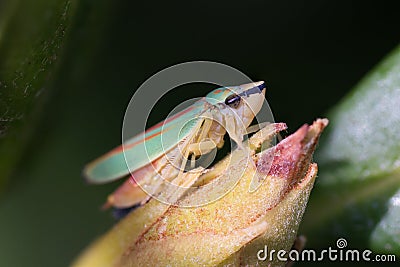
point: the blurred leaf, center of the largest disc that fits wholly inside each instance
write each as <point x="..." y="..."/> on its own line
<point x="386" y="236"/>
<point x="359" y="160"/>
<point x="32" y="37"/>
<point x="231" y="230"/>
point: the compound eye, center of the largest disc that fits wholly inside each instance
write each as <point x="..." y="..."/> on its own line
<point x="233" y="100"/>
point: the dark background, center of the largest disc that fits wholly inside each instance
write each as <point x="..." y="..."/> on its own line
<point x="310" y="53"/>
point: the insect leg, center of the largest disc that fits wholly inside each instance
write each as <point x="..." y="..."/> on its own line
<point x="186" y="151"/>
<point x="201" y="147"/>
<point x="197" y="149"/>
<point x="192" y="161"/>
<point x="256" y="127"/>
<point x="205" y="129"/>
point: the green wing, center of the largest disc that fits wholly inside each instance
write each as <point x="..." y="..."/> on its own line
<point x="145" y="147"/>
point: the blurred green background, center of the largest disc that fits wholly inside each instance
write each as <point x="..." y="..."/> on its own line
<point x="310" y="53"/>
